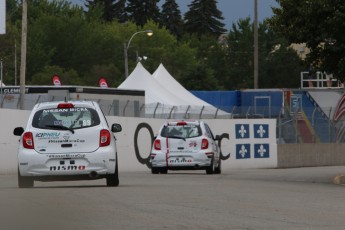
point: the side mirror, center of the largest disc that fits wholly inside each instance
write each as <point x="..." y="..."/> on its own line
<point x="217" y="138"/>
<point x="18" y="131"/>
<point x="115" y="128"/>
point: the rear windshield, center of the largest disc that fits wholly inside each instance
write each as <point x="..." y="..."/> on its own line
<point x="72" y="118"/>
<point x="186" y="131"/>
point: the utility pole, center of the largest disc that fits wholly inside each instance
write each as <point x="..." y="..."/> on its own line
<point x="23" y="53"/>
<point x="256" y="48"/>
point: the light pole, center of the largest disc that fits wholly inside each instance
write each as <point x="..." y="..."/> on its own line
<point x="126" y="46"/>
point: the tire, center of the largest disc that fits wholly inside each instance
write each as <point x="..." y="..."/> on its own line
<point x="25" y="182"/>
<point x="210" y="169"/>
<point x="218" y="170"/>
<point x="113" y="179"/>
<point x="154" y="170"/>
<point x="164" y="171"/>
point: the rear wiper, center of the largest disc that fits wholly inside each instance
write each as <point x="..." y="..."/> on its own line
<point x="60" y="127"/>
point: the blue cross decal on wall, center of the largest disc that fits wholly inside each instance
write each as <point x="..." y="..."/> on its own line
<point x="242" y="131"/>
<point x="242" y="151"/>
<point x="261" y="150"/>
<point x="261" y="131"/>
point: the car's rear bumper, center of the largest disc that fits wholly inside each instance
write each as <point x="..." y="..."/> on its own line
<point x="37" y="165"/>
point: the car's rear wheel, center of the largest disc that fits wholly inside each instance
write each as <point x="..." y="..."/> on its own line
<point x="210" y="169"/>
<point x="113" y="179"/>
<point x="25" y="182"/>
<point x="218" y="169"/>
<point x="164" y="171"/>
<point x="154" y="170"/>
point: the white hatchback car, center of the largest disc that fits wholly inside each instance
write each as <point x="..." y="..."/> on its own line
<point x="185" y="145"/>
<point x="67" y="141"/>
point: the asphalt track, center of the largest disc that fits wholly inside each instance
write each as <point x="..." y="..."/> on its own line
<point x="301" y="198"/>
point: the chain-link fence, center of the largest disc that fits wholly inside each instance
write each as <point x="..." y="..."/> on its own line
<point x="308" y="125"/>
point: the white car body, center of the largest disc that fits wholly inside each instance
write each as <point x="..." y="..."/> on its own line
<point x="67" y="141"/>
<point x="192" y="147"/>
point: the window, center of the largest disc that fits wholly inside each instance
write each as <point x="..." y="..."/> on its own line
<point x="74" y="118"/>
<point x="186" y="131"/>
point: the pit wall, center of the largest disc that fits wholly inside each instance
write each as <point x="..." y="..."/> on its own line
<point x="245" y="143"/>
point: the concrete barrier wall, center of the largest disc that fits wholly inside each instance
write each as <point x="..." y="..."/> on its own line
<point x="134" y="144"/>
<point x="309" y="155"/>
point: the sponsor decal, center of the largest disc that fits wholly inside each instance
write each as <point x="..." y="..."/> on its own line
<point x="67" y="168"/>
<point x="65" y="110"/>
<point x="192" y="144"/>
<point x="53" y="135"/>
<point x="77" y="155"/>
<point x="66" y="141"/>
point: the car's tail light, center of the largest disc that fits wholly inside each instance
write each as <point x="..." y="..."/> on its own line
<point x="28" y="140"/>
<point x="65" y="105"/>
<point x="104" y="139"/>
<point x="204" y="144"/>
<point x="157" y="144"/>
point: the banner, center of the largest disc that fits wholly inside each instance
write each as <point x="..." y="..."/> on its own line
<point x="56" y="80"/>
<point x="2" y="16"/>
<point x="102" y="83"/>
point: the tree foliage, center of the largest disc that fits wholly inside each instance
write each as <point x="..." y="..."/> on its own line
<point x="141" y="11"/>
<point x="80" y="46"/>
<point x="204" y="18"/>
<point x="171" y="18"/>
<point x="110" y="9"/>
<point x="319" y="24"/>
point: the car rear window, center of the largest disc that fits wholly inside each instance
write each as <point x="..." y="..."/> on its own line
<point x="72" y="118"/>
<point x="185" y="131"/>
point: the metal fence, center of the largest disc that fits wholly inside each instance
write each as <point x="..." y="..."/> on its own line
<point x="309" y="125"/>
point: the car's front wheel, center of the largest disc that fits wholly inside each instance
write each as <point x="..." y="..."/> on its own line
<point x="25" y="182"/>
<point x="113" y="179"/>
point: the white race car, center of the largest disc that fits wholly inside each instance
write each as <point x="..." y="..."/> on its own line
<point x="67" y="141"/>
<point x="185" y="145"/>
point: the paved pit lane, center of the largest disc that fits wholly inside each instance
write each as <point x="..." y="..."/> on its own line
<point x="302" y="198"/>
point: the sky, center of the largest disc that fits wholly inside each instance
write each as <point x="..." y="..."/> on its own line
<point x="232" y="10"/>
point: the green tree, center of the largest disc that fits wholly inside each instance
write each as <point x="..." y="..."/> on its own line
<point x="319" y="24"/>
<point x="141" y="11"/>
<point x="171" y="18"/>
<point x="279" y="65"/>
<point x="111" y="9"/>
<point x="204" y="18"/>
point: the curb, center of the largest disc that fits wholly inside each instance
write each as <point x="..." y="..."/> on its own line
<point x="339" y="179"/>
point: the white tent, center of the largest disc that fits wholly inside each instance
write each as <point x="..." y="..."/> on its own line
<point x="141" y="79"/>
<point x="166" y="95"/>
<point x="165" y="79"/>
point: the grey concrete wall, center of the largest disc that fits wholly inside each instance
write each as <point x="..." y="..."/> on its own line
<point x="310" y="155"/>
